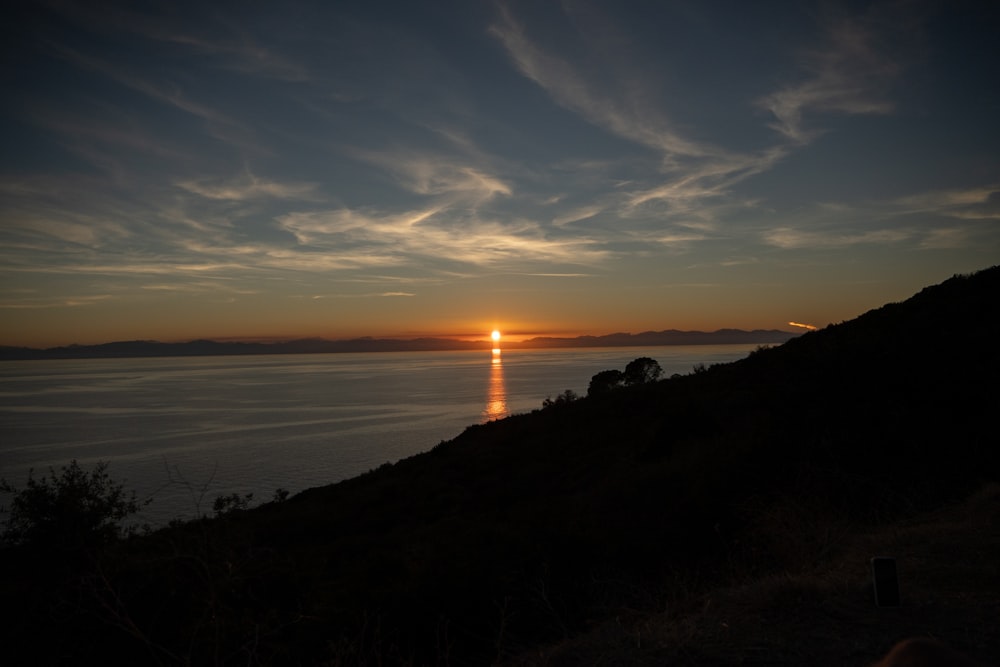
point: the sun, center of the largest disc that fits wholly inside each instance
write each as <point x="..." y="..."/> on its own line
<point x="495" y="336"/>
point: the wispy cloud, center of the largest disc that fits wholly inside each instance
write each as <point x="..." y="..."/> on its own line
<point x="213" y="34"/>
<point x="697" y="179"/>
<point x="112" y="129"/>
<point x="569" y="89"/>
<point x="710" y="179"/>
<point x="951" y="218"/>
<point x="169" y="94"/>
<point x="239" y="53"/>
<point x="218" y="124"/>
<point x="947" y="238"/>
<point x="789" y="238"/>
<point x="560" y="275"/>
<point x="577" y="214"/>
<point x="690" y="171"/>
<point x="415" y="235"/>
<point x="366" y="295"/>
<point x="939" y="219"/>
<point x="979" y="203"/>
<point x="430" y="174"/>
<point x="58" y="214"/>
<point x="848" y="75"/>
<point x="49" y="302"/>
<point x="249" y="187"/>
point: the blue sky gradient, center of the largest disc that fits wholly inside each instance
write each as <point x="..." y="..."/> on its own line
<point x="279" y="170"/>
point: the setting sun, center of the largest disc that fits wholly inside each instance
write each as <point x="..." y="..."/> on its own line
<point x="495" y="336"/>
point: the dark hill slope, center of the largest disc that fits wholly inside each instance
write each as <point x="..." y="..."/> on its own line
<point x="559" y="516"/>
<point x="533" y="528"/>
<point x="820" y="613"/>
<point x="901" y="399"/>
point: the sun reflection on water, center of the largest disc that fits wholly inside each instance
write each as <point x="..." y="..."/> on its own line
<point x="496" y="395"/>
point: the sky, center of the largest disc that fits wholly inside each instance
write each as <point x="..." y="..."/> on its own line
<point x="255" y="170"/>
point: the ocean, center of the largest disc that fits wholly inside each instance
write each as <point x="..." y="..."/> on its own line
<point x="184" y="431"/>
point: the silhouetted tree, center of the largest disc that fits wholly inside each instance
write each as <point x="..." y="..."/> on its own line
<point x="234" y="502"/>
<point x="642" y="370"/>
<point x="604" y="382"/>
<point x="567" y="396"/>
<point x="72" y="509"/>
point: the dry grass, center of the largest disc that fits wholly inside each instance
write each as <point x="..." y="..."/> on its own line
<point x="824" y="615"/>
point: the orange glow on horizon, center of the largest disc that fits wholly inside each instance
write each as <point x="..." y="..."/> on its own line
<point x="803" y="326"/>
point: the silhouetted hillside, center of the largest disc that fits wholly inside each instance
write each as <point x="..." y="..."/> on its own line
<point x="199" y="348"/>
<point x="667" y="337"/>
<point x="604" y="510"/>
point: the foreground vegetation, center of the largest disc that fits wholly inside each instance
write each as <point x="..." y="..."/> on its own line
<point x="720" y="517"/>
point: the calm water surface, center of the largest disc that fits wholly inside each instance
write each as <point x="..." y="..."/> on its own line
<point x="185" y="430"/>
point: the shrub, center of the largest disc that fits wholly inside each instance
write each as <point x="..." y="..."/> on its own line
<point x="70" y="510"/>
<point x="604" y="382"/>
<point x="234" y="502"/>
<point x="638" y="371"/>
<point x="564" y="398"/>
<point x="642" y="370"/>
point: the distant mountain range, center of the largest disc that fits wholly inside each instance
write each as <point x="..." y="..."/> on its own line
<point x="198" y="348"/>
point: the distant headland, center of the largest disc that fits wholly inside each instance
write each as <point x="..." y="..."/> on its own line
<point x="199" y="348"/>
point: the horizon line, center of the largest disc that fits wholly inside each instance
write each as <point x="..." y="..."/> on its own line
<point x="463" y="339"/>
